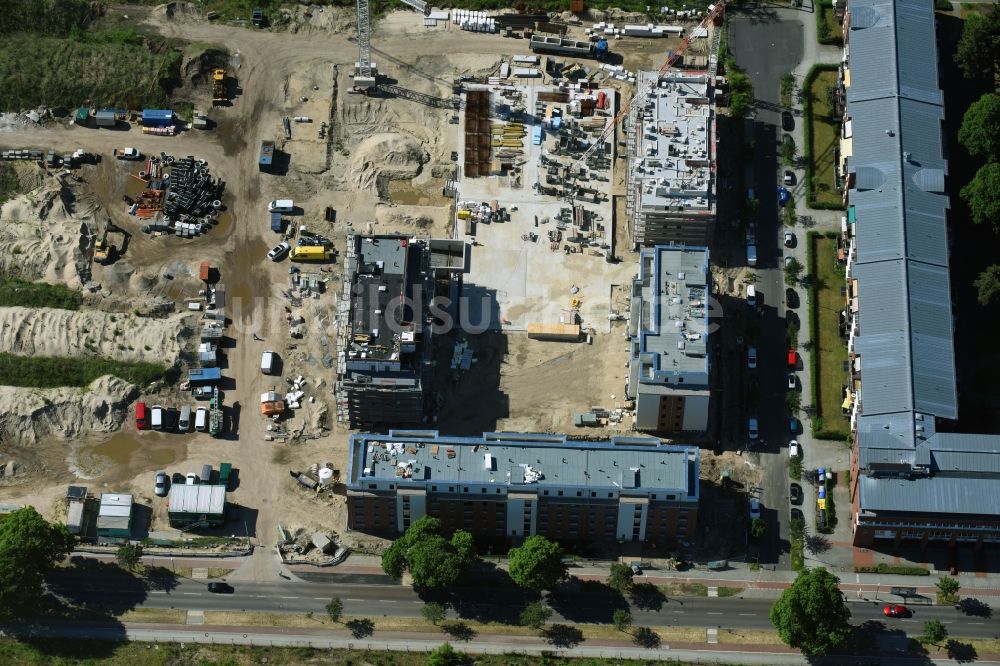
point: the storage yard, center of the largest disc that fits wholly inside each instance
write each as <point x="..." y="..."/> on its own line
<point x="169" y="245"/>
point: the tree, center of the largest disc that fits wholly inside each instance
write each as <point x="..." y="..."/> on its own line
<point x="988" y="285"/>
<point x="432" y="560"/>
<point x="29" y="548"/>
<point x="980" y="131"/>
<point x="935" y="632"/>
<point x="622" y="619"/>
<point x="335" y="609"/>
<point x="811" y="614"/>
<point x="433" y="612"/>
<point x="620" y="578"/>
<point x="979" y="46"/>
<point x="757" y="528"/>
<point x="948" y="589"/>
<point x="980" y="195"/>
<point x="445" y="655"/>
<point x="537" y="564"/>
<point x="792" y="271"/>
<point x="535" y="615"/>
<point x="129" y="555"/>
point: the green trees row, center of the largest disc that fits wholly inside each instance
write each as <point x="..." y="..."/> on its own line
<point x="29" y="549"/>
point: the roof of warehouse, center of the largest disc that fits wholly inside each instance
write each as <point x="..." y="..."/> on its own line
<point x="944" y="494"/>
<point x="196" y="499"/>
<point x="620" y="463"/>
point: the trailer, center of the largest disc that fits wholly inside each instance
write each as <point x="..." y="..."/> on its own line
<point x="266" y="158"/>
<point x="560" y="332"/>
<point x="215" y="415"/>
<point x="277" y="225"/>
<point x="202" y="376"/>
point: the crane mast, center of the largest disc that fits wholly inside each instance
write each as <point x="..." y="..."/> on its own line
<point x="365" y="74"/>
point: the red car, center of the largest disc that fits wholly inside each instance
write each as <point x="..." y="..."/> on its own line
<point x="896" y="611"/>
<point x="792" y="359"/>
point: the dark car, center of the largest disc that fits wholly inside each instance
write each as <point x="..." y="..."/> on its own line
<point x="791" y="298"/>
<point x="795" y="494"/>
<point x="787" y="121"/>
<point x="220" y="588"/>
<point x="791" y="318"/>
<point x="797" y="514"/>
<point x="177" y="478"/>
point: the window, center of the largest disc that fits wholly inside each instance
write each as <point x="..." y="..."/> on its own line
<point x="392" y="487"/>
<point x="671" y="497"/>
<point x="372" y="486"/>
<point x="465" y="490"/>
<point x="611" y="495"/>
<point x="593" y="493"/>
<point x="545" y="492"/>
<point x="498" y="491"/>
<point x="560" y="493"/>
<point x="579" y="493"/>
<point x="451" y="489"/>
<point x="434" y="489"/>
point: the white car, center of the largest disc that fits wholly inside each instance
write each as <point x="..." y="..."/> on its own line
<point x="793" y="449"/>
<point x="752" y="431"/>
<point x="791" y="381"/>
<point x="190" y="479"/>
<point x="789" y="239"/>
<point x="752" y="358"/>
<point x="279" y="251"/>
<point x="754" y="509"/>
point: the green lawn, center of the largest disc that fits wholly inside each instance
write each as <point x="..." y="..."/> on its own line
<point x="825" y="135"/>
<point x="17" y="292"/>
<point x="52" y="372"/>
<point x="829" y="351"/>
<point x="828" y="29"/>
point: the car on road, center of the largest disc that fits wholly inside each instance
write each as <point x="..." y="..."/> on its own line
<point x="752" y="432"/>
<point x="792" y="359"/>
<point x="752" y="358"/>
<point x="784" y="196"/>
<point x="795" y="495"/>
<point x="220" y="588"/>
<point x="636" y="570"/>
<point x="793" y="449"/>
<point x="191" y="479"/>
<point x="788" y="178"/>
<point x="160" y="489"/>
<point x="791" y="297"/>
<point x="896" y="610"/>
<point x="796" y="514"/>
<point x="789" y="239"/>
<point x="787" y="121"/>
<point x="279" y="251"/>
<point x="754" y="509"/>
<point x="791" y="381"/>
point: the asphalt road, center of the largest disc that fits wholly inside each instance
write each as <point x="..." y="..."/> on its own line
<point x="400" y="601"/>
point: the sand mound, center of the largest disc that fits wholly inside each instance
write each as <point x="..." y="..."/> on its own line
<point x="125" y="337"/>
<point x="30" y="415"/>
<point x="46" y="234"/>
<point x="393" y="156"/>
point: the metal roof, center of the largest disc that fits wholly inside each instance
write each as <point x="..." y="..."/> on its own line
<point x="937" y="494"/>
<point x="202" y="499"/>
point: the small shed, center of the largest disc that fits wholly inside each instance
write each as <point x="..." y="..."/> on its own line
<point x="106" y="118"/>
<point x="196" y="506"/>
<point x="207" y="354"/>
<point x="82" y="116"/>
<point x="157" y="117"/>
<point x="114" y="519"/>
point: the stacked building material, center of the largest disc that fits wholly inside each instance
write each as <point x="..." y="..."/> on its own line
<point x="192" y="192"/>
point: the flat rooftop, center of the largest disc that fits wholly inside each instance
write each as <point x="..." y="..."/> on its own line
<point x="633" y="465"/>
<point x="378" y="297"/>
<point x="670" y="311"/>
<point x="672" y="165"/>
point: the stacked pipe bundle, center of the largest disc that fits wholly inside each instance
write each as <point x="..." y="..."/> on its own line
<point x="193" y="195"/>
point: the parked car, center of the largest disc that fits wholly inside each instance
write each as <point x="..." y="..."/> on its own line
<point x="636" y="570"/>
<point x="751" y="296"/>
<point x="795" y="495"/>
<point x="160" y="489"/>
<point x="157" y="414"/>
<point x="794" y="426"/>
<point x="127" y="154"/>
<point x="796" y="514"/>
<point x="752" y="358"/>
<point x="791" y="298"/>
<point x="896" y="610"/>
<point x="752" y="432"/>
<point x="789" y="239"/>
<point x="754" y="509"/>
<point x="787" y="121"/>
<point x="792" y="360"/>
<point x="784" y="196"/>
<point x="791" y="381"/>
<point x="788" y="178"/>
<point x="788" y="260"/>
<point x="191" y="479"/>
<point x="177" y="478"/>
<point x="279" y="251"/>
<point x="793" y="449"/>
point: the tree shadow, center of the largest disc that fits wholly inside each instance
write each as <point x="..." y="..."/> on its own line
<point x="562" y="635"/>
<point x="646" y="637"/>
<point x="975" y="607"/>
<point x="360" y="627"/>
<point x="817" y="543"/>
<point x="460" y="631"/>
<point x="586" y="601"/>
<point x="159" y="578"/>
<point x="646" y="596"/>
<point x="963" y="653"/>
<point x="74" y="588"/>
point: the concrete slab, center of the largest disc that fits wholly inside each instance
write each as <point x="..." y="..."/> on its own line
<point x="713" y="635"/>
<point x="195" y="617"/>
<point x="199" y="573"/>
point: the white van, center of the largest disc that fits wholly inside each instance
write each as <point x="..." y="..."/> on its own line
<point x="201" y="419"/>
<point x="751" y="296"/>
<point x="267" y="362"/>
<point x="281" y="206"/>
<point x="184" y="422"/>
<point x="156" y="417"/>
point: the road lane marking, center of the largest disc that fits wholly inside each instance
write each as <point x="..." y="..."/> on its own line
<point x="388" y="601"/>
<point x="193" y="594"/>
<point x="713" y="613"/>
<point x="158" y="591"/>
<point x="748" y="614"/>
<point x="288" y="597"/>
<point x="353" y="599"/>
<point x="319" y="599"/>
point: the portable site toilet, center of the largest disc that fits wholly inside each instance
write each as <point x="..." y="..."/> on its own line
<point x="106" y="118"/>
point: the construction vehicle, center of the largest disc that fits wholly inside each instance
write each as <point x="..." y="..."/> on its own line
<point x="365" y="71"/>
<point x="638" y="101"/>
<point x="127" y="154"/>
<point x="257" y="18"/>
<point x="104" y="251"/>
<point x="219" y="88"/>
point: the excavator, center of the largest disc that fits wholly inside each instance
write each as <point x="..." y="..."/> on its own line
<point x="104" y="251"/>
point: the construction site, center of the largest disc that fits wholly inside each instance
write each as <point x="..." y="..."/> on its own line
<point x="492" y="173"/>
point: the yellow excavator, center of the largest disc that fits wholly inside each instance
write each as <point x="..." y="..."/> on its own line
<point x="219" y="88"/>
<point x="104" y="251"/>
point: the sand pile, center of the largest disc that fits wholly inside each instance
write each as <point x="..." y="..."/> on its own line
<point x="44" y="235"/>
<point x="31" y="415"/>
<point x="125" y="337"/>
<point x="390" y="155"/>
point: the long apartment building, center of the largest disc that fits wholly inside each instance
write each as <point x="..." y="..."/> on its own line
<point x="668" y="329"/>
<point x="506" y="486"/>
<point x="385" y="326"/>
<point x="670" y="191"/>
<point x="910" y="480"/>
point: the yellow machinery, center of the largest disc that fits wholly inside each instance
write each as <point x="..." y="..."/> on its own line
<point x="219" y="88"/>
<point x="103" y="250"/>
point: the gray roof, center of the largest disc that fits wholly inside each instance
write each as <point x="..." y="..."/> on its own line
<point x="206" y="499"/>
<point x="510" y="460"/>
<point x="939" y="494"/>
